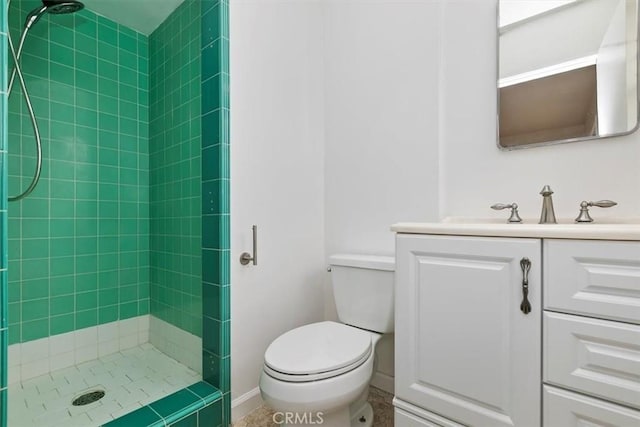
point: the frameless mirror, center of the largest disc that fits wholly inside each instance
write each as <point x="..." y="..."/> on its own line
<point x="568" y="70"/>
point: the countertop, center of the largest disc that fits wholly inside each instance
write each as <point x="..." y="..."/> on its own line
<point x="610" y="229"/>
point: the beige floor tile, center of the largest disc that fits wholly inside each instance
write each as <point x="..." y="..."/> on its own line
<point x="381" y="402"/>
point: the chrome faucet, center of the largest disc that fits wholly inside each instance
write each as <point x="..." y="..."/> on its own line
<point x="547" y="216"/>
<point x="584" y="209"/>
<point x="514" y="218"/>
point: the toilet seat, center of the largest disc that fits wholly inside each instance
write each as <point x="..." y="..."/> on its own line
<point x="317" y="351"/>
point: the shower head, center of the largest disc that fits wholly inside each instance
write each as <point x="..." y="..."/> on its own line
<point x="55" y="7"/>
<point x="62" y="7"/>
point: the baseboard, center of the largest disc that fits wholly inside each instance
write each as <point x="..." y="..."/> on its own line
<point x="245" y="404"/>
<point x="383" y="381"/>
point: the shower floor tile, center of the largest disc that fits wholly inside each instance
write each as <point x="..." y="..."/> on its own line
<point x="131" y="378"/>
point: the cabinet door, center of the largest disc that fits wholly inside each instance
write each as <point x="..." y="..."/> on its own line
<point x="464" y="348"/>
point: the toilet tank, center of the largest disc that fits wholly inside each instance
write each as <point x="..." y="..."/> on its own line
<point x="363" y="290"/>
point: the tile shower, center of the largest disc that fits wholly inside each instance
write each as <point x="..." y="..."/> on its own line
<point x="106" y="264"/>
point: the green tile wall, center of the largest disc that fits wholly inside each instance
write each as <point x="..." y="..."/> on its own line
<point x="3" y="215"/>
<point x="174" y="144"/>
<point x="216" y="260"/>
<point x="79" y="245"/>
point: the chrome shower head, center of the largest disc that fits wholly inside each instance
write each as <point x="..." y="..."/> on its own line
<point x="62" y="7"/>
<point x="52" y="6"/>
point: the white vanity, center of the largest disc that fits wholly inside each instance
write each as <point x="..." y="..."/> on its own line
<point x="467" y="351"/>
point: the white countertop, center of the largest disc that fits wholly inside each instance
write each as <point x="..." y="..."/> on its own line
<point x="618" y="229"/>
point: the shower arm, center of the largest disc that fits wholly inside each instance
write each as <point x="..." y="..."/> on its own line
<point x="36" y="131"/>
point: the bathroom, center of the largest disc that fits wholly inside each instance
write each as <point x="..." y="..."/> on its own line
<point x="365" y="99"/>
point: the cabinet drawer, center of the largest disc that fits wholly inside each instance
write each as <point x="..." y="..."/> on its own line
<point x="598" y="357"/>
<point x="566" y="409"/>
<point x="594" y="278"/>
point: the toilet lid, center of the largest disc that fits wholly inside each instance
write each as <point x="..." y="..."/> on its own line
<point x="317" y="348"/>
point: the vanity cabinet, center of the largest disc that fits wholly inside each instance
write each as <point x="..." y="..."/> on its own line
<point x="464" y="348"/>
<point x="467" y="354"/>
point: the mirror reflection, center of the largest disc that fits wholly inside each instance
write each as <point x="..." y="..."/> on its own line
<point x="568" y="70"/>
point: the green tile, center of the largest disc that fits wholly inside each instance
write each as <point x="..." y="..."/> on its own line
<point x="86" y="63"/>
<point x="63" y="285"/>
<point x="86" y="81"/>
<point x="128" y="310"/>
<point x="87" y="318"/>
<point x="62" y="266"/>
<point x="36" y="329"/>
<point x="107" y="52"/>
<point x="62" y="54"/>
<point x="35" y="309"/>
<point x="212" y="415"/>
<point x="189" y="421"/>
<point x="60" y="73"/>
<point x="62" y="305"/>
<point x="35" y="268"/>
<point x="205" y="391"/>
<point x="35" y="289"/>
<point x="62" y="324"/>
<point x="143" y="417"/>
<point x="85" y="43"/>
<point x="177" y="404"/>
<point x="35" y="248"/>
<point x="86" y="300"/>
<point x="108" y="314"/>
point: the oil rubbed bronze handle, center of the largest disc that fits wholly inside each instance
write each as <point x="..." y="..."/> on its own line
<point x="525" y="306"/>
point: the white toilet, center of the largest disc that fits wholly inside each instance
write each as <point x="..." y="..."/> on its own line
<point x="319" y="374"/>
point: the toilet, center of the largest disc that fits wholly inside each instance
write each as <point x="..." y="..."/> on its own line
<point x="319" y="374"/>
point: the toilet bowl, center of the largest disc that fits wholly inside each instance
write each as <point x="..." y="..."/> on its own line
<point x="319" y="374"/>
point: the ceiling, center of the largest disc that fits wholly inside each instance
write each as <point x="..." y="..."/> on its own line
<point x="143" y="16"/>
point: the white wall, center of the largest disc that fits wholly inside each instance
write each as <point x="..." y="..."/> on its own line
<point x="276" y="179"/>
<point x="381" y="120"/>
<point x="381" y="126"/>
<point x="476" y="174"/>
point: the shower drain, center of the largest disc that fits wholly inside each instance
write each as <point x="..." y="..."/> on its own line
<point x="87" y="398"/>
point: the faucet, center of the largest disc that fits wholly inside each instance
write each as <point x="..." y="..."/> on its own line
<point x="584" y="209"/>
<point x="547" y="216"/>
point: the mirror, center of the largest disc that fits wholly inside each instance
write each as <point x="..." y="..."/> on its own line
<point x="567" y="70"/>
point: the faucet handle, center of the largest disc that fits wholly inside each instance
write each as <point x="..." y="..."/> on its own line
<point x="584" y="209"/>
<point x="514" y="218"/>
